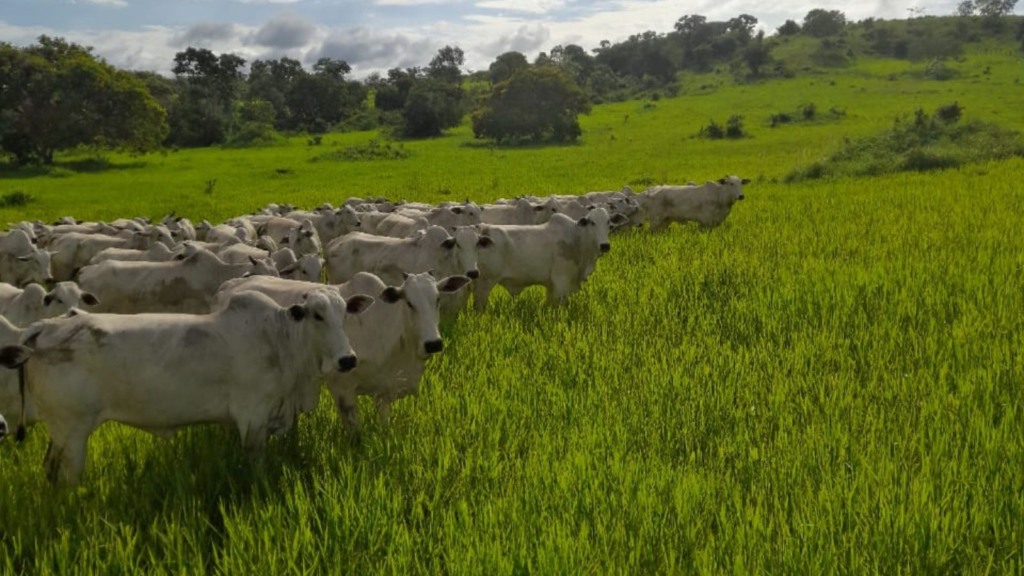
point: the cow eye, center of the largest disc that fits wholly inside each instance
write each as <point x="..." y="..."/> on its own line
<point x="318" y="317"/>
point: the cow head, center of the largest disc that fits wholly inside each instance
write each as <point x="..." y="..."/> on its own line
<point x="67" y="295"/>
<point x="734" y="187"/>
<point x="420" y="293"/>
<point x="596" y="224"/>
<point x="324" y="310"/>
<point x="32" y="267"/>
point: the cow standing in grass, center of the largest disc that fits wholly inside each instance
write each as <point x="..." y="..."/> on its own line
<point x="708" y="204"/>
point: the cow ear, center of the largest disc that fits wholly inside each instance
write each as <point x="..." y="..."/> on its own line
<point x="448" y="244"/>
<point x="452" y="283"/>
<point x="485" y="242"/>
<point x="584" y="221"/>
<point x="90" y="299"/>
<point x="538" y="208"/>
<point x="48" y="299"/>
<point x="14" y="356"/>
<point x="721" y="180"/>
<point x="456" y="209"/>
<point x="391" y="294"/>
<point x="619" y="219"/>
<point x="745" y="181"/>
<point x="297" y="312"/>
<point x="358" y="304"/>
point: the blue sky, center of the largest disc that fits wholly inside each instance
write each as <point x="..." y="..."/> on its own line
<point x="375" y="35"/>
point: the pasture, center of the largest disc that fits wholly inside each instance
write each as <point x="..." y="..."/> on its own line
<point x="829" y="382"/>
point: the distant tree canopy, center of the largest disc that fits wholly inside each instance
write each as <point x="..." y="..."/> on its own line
<point x="820" y="23"/>
<point x="540" y="103"/>
<point x="56" y="95"/>
<point x="422" y="102"/>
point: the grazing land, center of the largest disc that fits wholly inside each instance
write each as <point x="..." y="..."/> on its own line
<point x="829" y="382"/>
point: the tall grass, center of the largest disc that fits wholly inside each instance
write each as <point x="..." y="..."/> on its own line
<point x="829" y="382"/>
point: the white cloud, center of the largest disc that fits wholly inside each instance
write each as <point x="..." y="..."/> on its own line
<point x="108" y="3"/>
<point x="528" y="6"/>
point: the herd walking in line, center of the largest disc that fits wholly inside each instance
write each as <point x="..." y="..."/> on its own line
<point x="161" y="326"/>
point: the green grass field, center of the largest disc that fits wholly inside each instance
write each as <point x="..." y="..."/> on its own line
<point x="828" y="383"/>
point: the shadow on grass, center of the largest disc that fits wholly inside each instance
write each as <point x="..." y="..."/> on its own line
<point x="67" y="168"/>
<point x="518" y="145"/>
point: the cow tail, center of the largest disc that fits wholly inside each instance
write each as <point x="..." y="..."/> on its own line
<point x="19" y="436"/>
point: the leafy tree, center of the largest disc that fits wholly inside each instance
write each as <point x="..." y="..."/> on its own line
<point x="209" y="86"/>
<point x="820" y="23"/>
<point x="995" y="8"/>
<point x="446" y="65"/>
<point x="966" y="8"/>
<point x="432" y="107"/>
<point x="757" y="54"/>
<point x="56" y="95"/>
<point x="505" y="65"/>
<point x="535" y="103"/>
<point x="789" y="28"/>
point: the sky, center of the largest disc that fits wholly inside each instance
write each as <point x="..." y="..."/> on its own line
<point x="376" y="35"/>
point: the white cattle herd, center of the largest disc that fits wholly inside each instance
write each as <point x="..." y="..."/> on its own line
<point x="165" y="325"/>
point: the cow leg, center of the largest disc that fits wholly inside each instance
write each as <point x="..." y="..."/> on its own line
<point x="65" y="458"/>
<point x="383" y="405"/>
<point x="481" y="293"/>
<point x="349" y="410"/>
<point x="659" y="224"/>
<point x="558" y="291"/>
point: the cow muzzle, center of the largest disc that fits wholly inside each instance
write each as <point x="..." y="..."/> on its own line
<point x="473" y="274"/>
<point x="605" y="246"/>
<point x="346" y="363"/>
<point x="740" y="197"/>
<point x="433" y="346"/>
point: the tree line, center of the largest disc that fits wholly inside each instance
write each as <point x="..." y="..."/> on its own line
<point x="56" y="95"/>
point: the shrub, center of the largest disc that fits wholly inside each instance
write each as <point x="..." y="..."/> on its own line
<point x="920" y="143"/>
<point x="15" y="198"/>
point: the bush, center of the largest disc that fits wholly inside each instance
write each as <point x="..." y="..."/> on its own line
<point x="937" y="70"/>
<point x="372" y="150"/>
<point x="920" y="143"/>
<point x="733" y="129"/>
<point x="15" y="198"/>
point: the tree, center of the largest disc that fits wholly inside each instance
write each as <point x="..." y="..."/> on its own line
<point x="757" y="54"/>
<point x="210" y="84"/>
<point x="446" y="65"/>
<point x="966" y="8"/>
<point x="505" y="65"/>
<point x="995" y="8"/>
<point x="56" y="95"/>
<point x="820" y="23"/>
<point x="789" y="28"/>
<point x="536" y="103"/>
<point x="432" y="107"/>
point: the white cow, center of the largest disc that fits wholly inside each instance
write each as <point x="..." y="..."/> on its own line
<point x="21" y="261"/>
<point x="330" y="223"/>
<point x="393" y="339"/>
<point x="158" y="252"/>
<point x="389" y="258"/>
<point x="252" y="364"/>
<point x="74" y="250"/>
<point x="3" y="427"/>
<point x="708" y="204"/>
<point x="23" y="306"/>
<point x="519" y="211"/>
<point x="448" y="215"/>
<point x="559" y="255"/>
<point x="187" y="285"/>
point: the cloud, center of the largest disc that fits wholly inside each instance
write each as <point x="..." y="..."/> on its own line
<point x="206" y="33"/>
<point x="365" y="49"/>
<point x="108" y="3"/>
<point x="525" y="40"/>
<point x="284" y="32"/>
<point x="529" y="6"/>
<point x="412" y="2"/>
